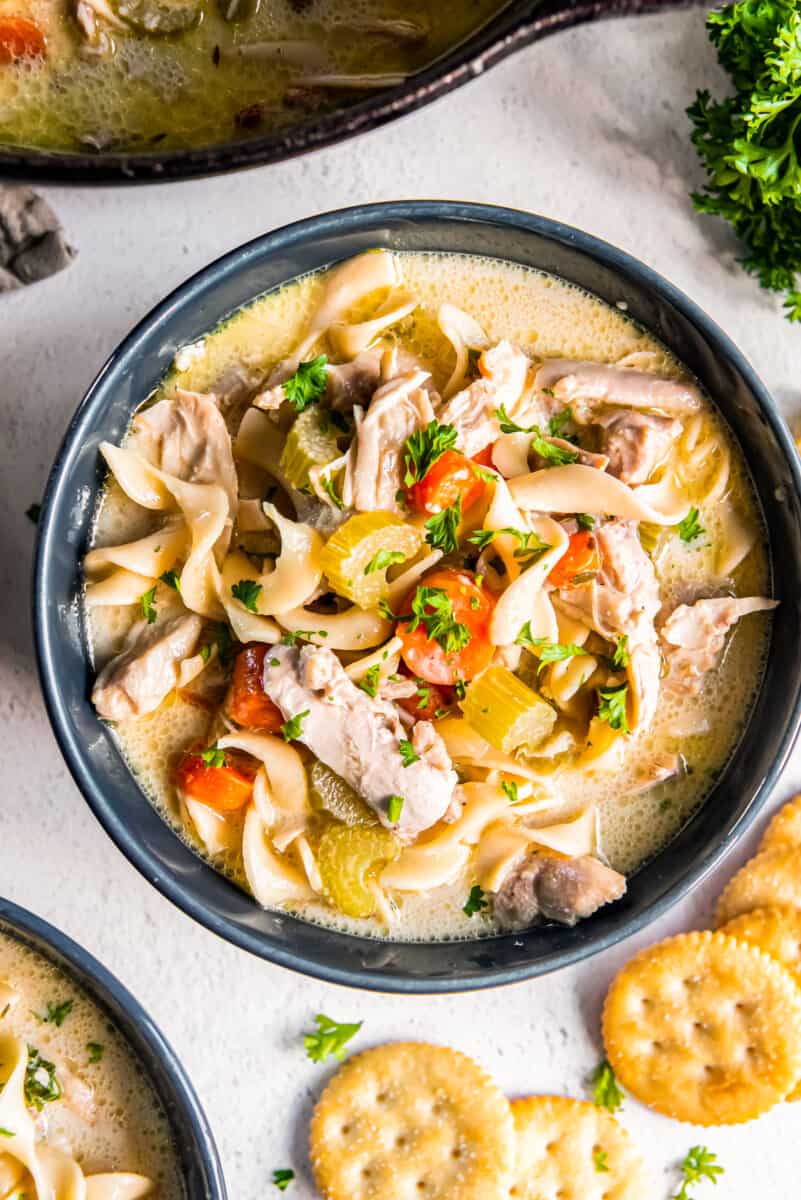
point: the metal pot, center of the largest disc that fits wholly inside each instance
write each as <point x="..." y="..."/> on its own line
<point x="518" y="24"/>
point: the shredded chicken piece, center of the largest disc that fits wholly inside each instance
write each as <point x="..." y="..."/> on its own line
<point x="636" y="442"/>
<point x="546" y="886"/>
<point x="693" y="637"/>
<point x="359" y="737"/>
<point x="587" y="385"/>
<point x="187" y="437"/>
<point x="397" y="409"/>
<point x="146" y="671"/>
<point x="504" y="371"/>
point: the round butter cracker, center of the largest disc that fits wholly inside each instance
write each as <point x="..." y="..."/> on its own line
<point x="772" y="877"/>
<point x="705" y="1028"/>
<point x="571" y="1150"/>
<point x="785" y="828"/>
<point x="412" y="1121"/>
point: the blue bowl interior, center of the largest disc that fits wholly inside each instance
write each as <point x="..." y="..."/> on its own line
<point x="191" y="1137"/>
<point x="135" y="369"/>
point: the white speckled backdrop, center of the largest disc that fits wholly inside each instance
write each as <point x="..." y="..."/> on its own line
<point x="587" y="127"/>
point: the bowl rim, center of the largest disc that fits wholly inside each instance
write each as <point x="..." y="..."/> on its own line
<point x="137" y="1028"/>
<point x="347" y="220"/>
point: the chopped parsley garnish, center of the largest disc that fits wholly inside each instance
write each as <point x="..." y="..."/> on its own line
<point x="384" y="559"/>
<point x="612" y="707"/>
<point x="275" y="662"/>
<point x="41" y="1082"/>
<point x="7" y="1132"/>
<point x="213" y="756"/>
<point x="555" y="456"/>
<point x="172" y="579"/>
<point x="459" y="685"/>
<point x="432" y="608"/>
<point x="386" y="612"/>
<point x="483" y="537"/>
<point x="699" y="1164"/>
<point x="292" y="637"/>
<point x="510" y="788"/>
<point x="224" y="643"/>
<point x="56" y="1014"/>
<point x="556" y="425"/>
<point x="621" y="656"/>
<point x="423" y="693"/>
<point x="329" y="487"/>
<point x="371" y="680"/>
<point x="476" y="901"/>
<point x="282" y="1178"/>
<point x="442" y="529"/>
<point x="606" y="1092"/>
<point x="292" y="729"/>
<point x="247" y="593"/>
<point x="33" y="513"/>
<point x="531" y="547"/>
<point x="423" y="449"/>
<point x="329" y="1040"/>
<point x="408" y="752"/>
<point x="585" y="521"/>
<point x="690" y="528"/>
<point x="395" y="806"/>
<point x="550" y="652"/>
<point x="307" y="384"/>
<point x="510" y="426"/>
<point x="482" y="473"/>
<point x="96" y="1051"/>
<point x="599" y="1160"/>
<point x="147" y="601"/>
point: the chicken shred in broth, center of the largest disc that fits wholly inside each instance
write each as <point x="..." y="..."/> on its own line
<point x="78" y="1117"/>
<point x="154" y="75"/>
<point x="428" y="596"/>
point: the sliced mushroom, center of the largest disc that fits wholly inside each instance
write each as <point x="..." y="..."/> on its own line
<point x="160" y="18"/>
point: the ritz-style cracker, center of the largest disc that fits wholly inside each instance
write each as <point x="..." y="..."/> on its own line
<point x="408" y="1119"/>
<point x="705" y="1028"/>
<point x="573" y="1150"/>
<point x="785" y="828"/>
<point x="772" y="877"/>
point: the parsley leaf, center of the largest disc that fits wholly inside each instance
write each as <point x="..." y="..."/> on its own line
<point x="556" y="425"/>
<point x="213" y="756"/>
<point x="329" y="1040"/>
<point x="690" y="528"/>
<point x="550" y="652"/>
<point x="423" y="449"/>
<point x="371" y="680"/>
<point x="612" y="708"/>
<point x="510" y="788"/>
<point x="56" y="1014"/>
<point x="224" y="643"/>
<point x="442" y="529"/>
<point x="282" y="1178"/>
<point x="329" y="487"/>
<point x="621" y="656"/>
<point x="41" y="1082"/>
<point x="423" y="693"/>
<point x="307" y="384"/>
<point x="585" y="521"/>
<point x="247" y="593"/>
<point x="172" y="579"/>
<point x="292" y="729"/>
<point x="432" y="608"/>
<point x="395" y="806"/>
<point x="555" y="456"/>
<point x="33" y="513"/>
<point x="476" y="901"/>
<point x="606" y="1092"/>
<point x="699" y="1164"/>
<point x="96" y="1051"/>
<point x="482" y="537"/>
<point x="384" y="559"/>
<point x="510" y="426"/>
<point x="408" y="752"/>
<point x="599" y="1160"/>
<point x="7" y="1132"/>
<point x="147" y="601"/>
<point x="530" y="549"/>
<point x="293" y="636"/>
<point x="748" y="142"/>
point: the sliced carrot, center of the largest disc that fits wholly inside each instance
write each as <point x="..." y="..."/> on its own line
<point x="247" y="702"/>
<point x="451" y="478"/>
<point x="427" y="701"/>
<point x="471" y="606"/>
<point x="580" y="557"/>
<point x="20" y="38"/>
<point x="225" y="788"/>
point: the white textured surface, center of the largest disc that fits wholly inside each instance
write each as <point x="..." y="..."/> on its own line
<point x="589" y="128"/>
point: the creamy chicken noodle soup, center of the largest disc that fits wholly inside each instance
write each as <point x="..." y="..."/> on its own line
<point x="77" y="1119"/>
<point x="428" y="597"/>
<point x="118" y="75"/>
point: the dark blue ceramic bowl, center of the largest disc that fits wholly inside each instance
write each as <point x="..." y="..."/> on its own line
<point x="194" y="1147"/>
<point x="135" y="369"/>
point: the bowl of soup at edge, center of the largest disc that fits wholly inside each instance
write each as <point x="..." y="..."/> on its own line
<point x="563" y="295"/>
<point x="119" y="1109"/>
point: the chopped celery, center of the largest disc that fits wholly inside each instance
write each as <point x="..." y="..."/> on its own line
<point x="308" y="444"/>
<point x="332" y="795"/>
<point x="349" y="859"/>
<point x="507" y="713"/>
<point x="355" y="559"/>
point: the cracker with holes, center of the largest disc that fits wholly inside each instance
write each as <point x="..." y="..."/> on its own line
<point x="773" y="877"/>
<point x="705" y="1028"/>
<point x="411" y="1121"/>
<point x="785" y="828"/>
<point x="574" y="1151"/>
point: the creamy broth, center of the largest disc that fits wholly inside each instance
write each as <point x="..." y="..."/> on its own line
<point x="546" y="318"/>
<point x="125" y="90"/>
<point x="108" y="1117"/>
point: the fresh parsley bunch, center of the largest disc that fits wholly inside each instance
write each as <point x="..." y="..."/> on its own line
<point x="750" y="143"/>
